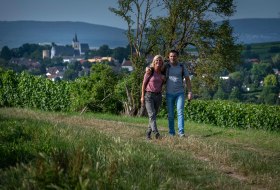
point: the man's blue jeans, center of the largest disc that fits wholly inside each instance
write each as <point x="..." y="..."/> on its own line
<point x="179" y="101"/>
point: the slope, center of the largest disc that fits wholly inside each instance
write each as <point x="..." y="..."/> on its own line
<point x="210" y="158"/>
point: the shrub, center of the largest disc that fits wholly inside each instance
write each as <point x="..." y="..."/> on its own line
<point x="234" y="115"/>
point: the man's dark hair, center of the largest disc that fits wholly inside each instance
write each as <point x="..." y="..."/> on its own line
<point x="174" y="51"/>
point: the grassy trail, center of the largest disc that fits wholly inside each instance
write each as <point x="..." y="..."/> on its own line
<point x="209" y="158"/>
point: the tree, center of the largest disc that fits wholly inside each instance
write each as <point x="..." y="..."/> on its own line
<point x="270" y="90"/>
<point x="3" y="63"/>
<point x="37" y="54"/>
<point x="120" y="53"/>
<point x="270" y="80"/>
<point x="104" y="51"/>
<point x="70" y="74"/>
<point x="96" y="92"/>
<point x="205" y="94"/>
<point x="220" y="94"/>
<point x="6" y="53"/>
<point x="137" y="14"/>
<point x="237" y="78"/>
<point x="185" y="23"/>
<point x="268" y="95"/>
<point x="276" y="61"/>
<point x="102" y="91"/>
<point x="235" y="94"/>
<point x="76" y="66"/>
<point x="259" y="71"/>
<point x="87" y="64"/>
<point x="27" y="49"/>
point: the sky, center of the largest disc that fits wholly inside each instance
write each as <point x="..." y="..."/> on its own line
<point x="97" y="12"/>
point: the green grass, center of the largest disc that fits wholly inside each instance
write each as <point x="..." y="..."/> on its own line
<point x="43" y="150"/>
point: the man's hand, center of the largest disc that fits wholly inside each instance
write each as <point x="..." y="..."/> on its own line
<point x="148" y="70"/>
<point x="163" y="78"/>
<point x="189" y="96"/>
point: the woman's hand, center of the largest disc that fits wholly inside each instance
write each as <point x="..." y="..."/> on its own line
<point x="142" y="100"/>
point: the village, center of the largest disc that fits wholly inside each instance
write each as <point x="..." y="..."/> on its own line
<point x="76" y="53"/>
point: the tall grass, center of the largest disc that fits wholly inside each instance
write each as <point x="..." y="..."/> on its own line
<point x="43" y="150"/>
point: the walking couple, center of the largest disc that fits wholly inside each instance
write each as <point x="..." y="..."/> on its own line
<point x="173" y="74"/>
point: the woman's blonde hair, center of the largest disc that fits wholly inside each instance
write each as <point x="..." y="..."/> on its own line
<point x="155" y="58"/>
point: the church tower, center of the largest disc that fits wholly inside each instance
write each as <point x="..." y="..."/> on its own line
<point x="76" y="44"/>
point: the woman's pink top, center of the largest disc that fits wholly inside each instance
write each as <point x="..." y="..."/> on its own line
<point x="155" y="82"/>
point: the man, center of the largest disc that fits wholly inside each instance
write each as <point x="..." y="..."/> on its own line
<point x="176" y="74"/>
<point x="175" y="91"/>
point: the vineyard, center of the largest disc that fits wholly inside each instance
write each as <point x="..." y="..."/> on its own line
<point x="27" y="91"/>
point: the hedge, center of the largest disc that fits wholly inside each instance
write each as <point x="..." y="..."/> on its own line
<point x="234" y="115"/>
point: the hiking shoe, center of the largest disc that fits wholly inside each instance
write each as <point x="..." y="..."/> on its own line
<point x="158" y="136"/>
<point x="148" y="135"/>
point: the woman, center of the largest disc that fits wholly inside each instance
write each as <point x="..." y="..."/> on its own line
<point x="151" y="94"/>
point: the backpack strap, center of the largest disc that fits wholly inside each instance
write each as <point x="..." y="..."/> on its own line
<point x="182" y="67"/>
<point x="150" y="76"/>
<point x="168" y="67"/>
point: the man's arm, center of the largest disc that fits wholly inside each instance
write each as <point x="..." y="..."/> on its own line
<point x="189" y="86"/>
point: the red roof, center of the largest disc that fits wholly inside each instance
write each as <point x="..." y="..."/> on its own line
<point x="127" y="63"/>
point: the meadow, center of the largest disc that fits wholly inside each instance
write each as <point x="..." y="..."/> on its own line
<point x="58" y="150"/>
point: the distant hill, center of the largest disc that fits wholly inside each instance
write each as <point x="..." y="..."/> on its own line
<point x="15" y="33"/>
<point x="256" y="30"/>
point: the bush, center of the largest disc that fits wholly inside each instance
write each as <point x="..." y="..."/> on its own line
<point x="96" y="92"/>
<point x="234" y="115"/>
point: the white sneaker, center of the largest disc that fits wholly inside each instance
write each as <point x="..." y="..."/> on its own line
<point x="182" y="135"/>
